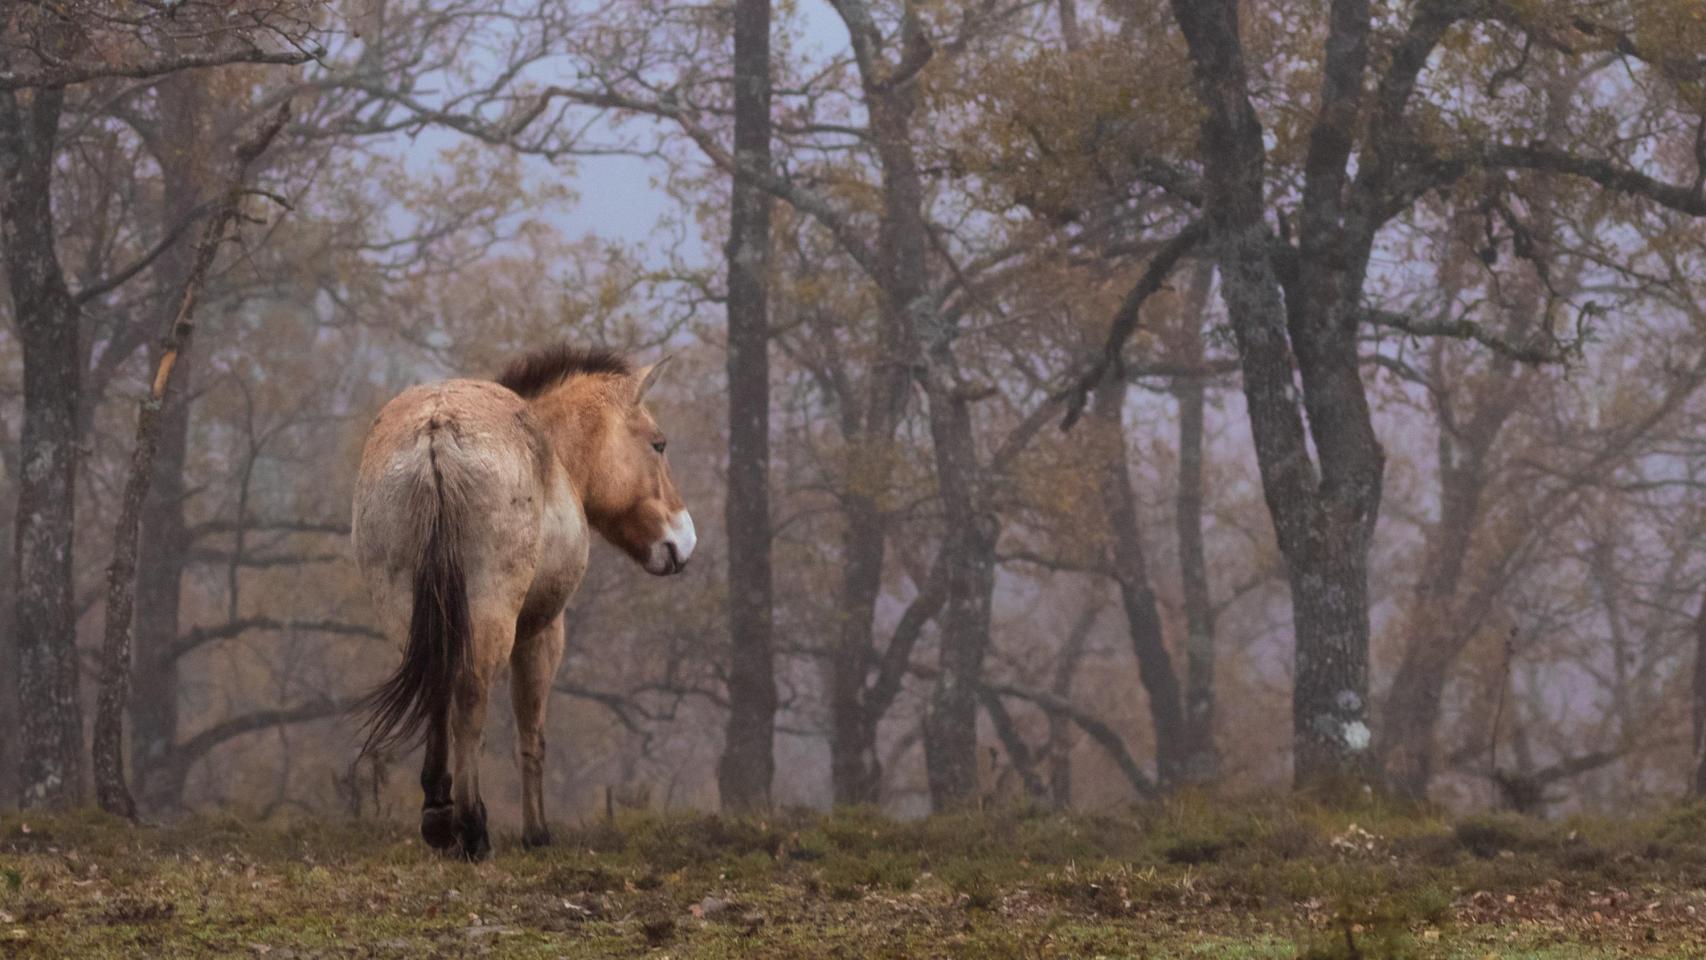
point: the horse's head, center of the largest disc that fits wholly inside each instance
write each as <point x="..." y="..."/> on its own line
<point x="630" y="498"/>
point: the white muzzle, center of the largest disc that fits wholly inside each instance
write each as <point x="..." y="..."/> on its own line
<point x="670" y="555"/>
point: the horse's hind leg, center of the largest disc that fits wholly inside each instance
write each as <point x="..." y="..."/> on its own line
<point x="438" y="815"/>
<point x="533" y="668"/>
<point x="492" y="640"/>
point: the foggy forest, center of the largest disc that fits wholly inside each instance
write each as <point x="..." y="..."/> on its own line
<point x="1083" y="406"/>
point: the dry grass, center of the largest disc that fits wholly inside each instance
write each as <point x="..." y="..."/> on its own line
<point x="1193" y="879"/>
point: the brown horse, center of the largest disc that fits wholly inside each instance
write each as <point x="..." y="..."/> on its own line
<point x="472" y="511"/>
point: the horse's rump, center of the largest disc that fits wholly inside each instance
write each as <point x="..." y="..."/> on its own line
<point x="418" y="695"/>
<point x="441" y="479"/>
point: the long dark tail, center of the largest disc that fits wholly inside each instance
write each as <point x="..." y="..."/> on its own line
<point x="417" y="697"/>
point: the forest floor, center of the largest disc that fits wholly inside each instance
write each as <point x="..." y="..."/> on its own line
<point x="1196" y="879"/>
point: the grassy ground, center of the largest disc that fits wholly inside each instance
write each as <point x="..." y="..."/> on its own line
<point x="1194" y="879"/>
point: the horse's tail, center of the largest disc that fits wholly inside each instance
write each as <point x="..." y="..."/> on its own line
<point x="418" y="696"/>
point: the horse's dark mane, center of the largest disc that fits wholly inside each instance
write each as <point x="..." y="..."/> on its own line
<point x="534" y="373"/>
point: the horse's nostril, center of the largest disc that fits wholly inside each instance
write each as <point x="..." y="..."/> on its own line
<point x="675" y="563"/>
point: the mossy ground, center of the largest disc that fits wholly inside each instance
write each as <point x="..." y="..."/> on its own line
<point x="1196" y="878"/>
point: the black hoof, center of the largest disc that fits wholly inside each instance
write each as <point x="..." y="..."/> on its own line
<point x="477" y="849"/>
<point x="438" y="826"/>
<point x="476" y="846"/>
<point x="533" y="839"/>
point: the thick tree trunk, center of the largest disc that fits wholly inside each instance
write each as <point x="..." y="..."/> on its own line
<point x="45" y="625"/>
<point x="9" y="721"/>
<point x="855" y="771"/>
<point x="1699" y="786"/>
<point x="183" y="148"/>
<point x="748" y="762"/>
<point x="9" y="746"/>
<point x="1329" y="590"/>
<point x="1137" y="595"/>
<point x="911" y="319"/>
<point x="164" y="554"/>
<point x="1324" y="506"/>
<point x="866" y="704"/>
<point x="1411" y="713"/>
<point x="950" y="727"/>
<point x="902" y="278"/>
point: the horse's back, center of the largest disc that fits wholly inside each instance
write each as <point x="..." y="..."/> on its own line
<point x="466" y="449"/>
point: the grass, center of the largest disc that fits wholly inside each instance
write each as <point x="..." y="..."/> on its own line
<point x="1193" y="879"/>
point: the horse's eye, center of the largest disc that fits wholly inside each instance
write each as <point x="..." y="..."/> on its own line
<point x="658" y="445"/>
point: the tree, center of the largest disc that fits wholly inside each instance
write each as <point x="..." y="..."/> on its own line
<point x="46" y="319"/>
<point x="1130" y="567"/>
<point x="48" y="47"/>
<point x="358" y="95"/>
<point x="748" y="763"/>
<point x="1201" y="757"/>
<point x="1698" y="787"/>
<point x="1296" y="310"/>
<point x="111" y="787"/>
<point x="912" y="347"/>
<point x="180" y="138"/>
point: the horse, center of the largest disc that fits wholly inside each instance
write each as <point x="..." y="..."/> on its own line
<point x="471" y="518"/>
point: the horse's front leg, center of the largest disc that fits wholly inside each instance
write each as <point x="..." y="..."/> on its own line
<point x="533" y="668"/>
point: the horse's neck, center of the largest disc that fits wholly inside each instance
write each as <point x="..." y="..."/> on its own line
<point x="571" y="433"/>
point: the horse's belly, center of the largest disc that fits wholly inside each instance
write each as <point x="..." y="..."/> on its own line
<point x="564" y="543"/>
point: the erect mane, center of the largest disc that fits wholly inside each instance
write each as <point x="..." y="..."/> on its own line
<point x="534" y="373"/>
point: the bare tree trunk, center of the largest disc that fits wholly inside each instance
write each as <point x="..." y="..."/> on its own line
<point x="1699" y="787"/>
<point x="1470" y="423"/>
<point x="9" y="720"/>
<point x="1434" y="632"/>
<point x="748" y="762"/>
<point x="1059" y="726"/>
<point x="111" y="788"/>
<point x="902" y="278"/>
<point x="162" y="557"/>
<point x="855" y="772"/>
<point x="9" y="746"/>
<point x="1137" y="595"/>
<point x="1018" y="751"/>
<point x="1324" y="503"/>
<point x="950" y="727"/>
<point x="51" y="765"/>
<point x="183" y="146"/>
<point x="910" y="317"/>
<point x="1070" y="36"/>
<point x="870" y="702"/>
<point x="1201" y="755"/>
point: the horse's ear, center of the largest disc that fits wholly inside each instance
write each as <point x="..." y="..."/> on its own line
<point x="648" y="376"/>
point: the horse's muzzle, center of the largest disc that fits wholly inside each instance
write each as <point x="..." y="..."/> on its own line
<point x="670" y="554"/>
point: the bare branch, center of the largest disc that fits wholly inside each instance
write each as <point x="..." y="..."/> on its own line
<point x="1127" y="316"/>
<point x="201" y="636"/>
<point x="1535" y="352"/>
